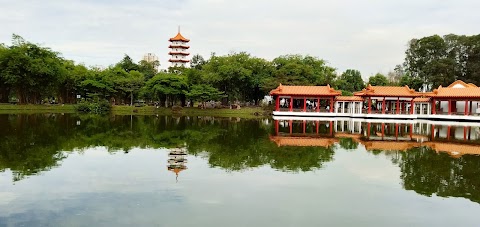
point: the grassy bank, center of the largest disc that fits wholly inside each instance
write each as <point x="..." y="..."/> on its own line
<point x="247" y="112"/>
<point x="32" y="109"/>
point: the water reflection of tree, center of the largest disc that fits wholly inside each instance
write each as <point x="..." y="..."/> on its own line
<point x="429" y="173"/>
<point x="348" y="143"/>
<point x="30" y="144"/>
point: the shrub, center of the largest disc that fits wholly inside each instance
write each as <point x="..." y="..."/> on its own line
<point x="95" y="107"/>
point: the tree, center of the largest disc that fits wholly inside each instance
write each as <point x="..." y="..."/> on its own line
<point x="197" y="62"/>
<point x="148" y="69"/>
<point x="228" y="74"/>
<point x="133" y="81"/>
<point x="203" y="93"/>
<point x="127" y="64"/>
<point x="4" y="88"/>
<point x="167" y="87"/>
<point x="378" y="80"/>
<point x="301" y="70"/>
<point x="351" y="81"/>
<point x="34" y="72"/>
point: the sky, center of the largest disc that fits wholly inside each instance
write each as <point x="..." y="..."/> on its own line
<point x="367" y="35"/>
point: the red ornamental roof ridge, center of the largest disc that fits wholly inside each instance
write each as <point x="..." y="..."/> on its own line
<point x="305" y="90"/>
<point x="179" y="37"/>
<point x="461" y="83"/>
<point x="449" y="92"/>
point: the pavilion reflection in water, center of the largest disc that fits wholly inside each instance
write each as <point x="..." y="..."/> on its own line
<point x="177" y="160"/>
<point x="455" y="139"/>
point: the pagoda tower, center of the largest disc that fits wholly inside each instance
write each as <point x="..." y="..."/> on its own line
<point x="177" y="160"/>
<point x="178" y="50"/>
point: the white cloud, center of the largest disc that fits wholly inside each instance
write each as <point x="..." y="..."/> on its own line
<point x="369" y="35"/>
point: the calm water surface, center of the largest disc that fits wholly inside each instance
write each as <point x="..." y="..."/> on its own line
<point x="65" y="170"/>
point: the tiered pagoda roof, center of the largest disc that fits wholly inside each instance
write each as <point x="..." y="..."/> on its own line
<point x="179" y="37"/>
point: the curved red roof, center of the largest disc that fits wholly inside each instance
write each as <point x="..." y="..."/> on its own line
<point x="179" y="37"/>
<point x="179" y="46"/>
<point x="178" y="60"/>
<point x="305" y="90"/>
<point x="179" y="53"/>
<point x="387" y="91"/>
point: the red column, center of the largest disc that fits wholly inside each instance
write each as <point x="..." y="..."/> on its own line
<point x="383" y="130"/>
<point x="304" y="104"/>
<point x="331" y="128"/>
<point x="290" y="125"/>
<point x="398" y="105"/>
<point x="277" y="103"/>
<point x="304" y="126"/>
<point x="331" y="105"/>
<point x="434" y="106"/>
<point x="396" y="131"/>
<point x="466" y="108"/>
<point x="318" y="104"/>
<point x="369" y="105"/>
<point x="291" y="103"/>
<point x="449" y="107"/>
<point x="383" y="105"/>
<point x="276" y="127"/>
<point x="317" y="124"/>
<point x="368" y="130"/>
<point x="412" y="106"/>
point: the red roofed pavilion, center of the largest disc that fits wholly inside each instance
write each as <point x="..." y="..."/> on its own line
<point x="389" y="99"/>
<point x="305" y="98"/>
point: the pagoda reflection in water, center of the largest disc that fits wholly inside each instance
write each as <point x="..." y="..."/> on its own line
<point x="455" y="139"/>
<point x="177" y="161"/>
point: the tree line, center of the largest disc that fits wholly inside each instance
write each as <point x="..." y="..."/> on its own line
<point x="32" y="74"/>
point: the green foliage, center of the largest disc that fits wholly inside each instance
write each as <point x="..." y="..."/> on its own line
<point x="148" y="69"/>
<point x="347" y="93"/>
<point x="351" y="81"/>
<point x="33" y="71"/>
<point x="95" y="107"/>
<point x="203" y="93"/>
<point x="436" y="60"/>
<point x="378" y="80"/>
<point x="197" y="62"/>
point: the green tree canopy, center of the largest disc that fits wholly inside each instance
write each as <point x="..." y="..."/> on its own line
<point x="350" y="81"/>
<point x="378" y="80"/>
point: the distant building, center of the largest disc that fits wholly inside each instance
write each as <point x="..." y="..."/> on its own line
<point x="149" y="57"/>
<point x="178" y="50"/>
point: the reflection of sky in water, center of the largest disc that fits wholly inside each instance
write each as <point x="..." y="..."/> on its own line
<point x="97" y="188"/>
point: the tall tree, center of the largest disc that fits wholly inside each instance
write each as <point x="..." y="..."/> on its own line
<point x="33" y="71"/>
<point x="378" y="80"/>
<point x="127" y="64"/>
<point x="197" y="62"/>
<point x="167" y="88"/>
<point x="350" y="80"/>
<point x="148" y="69"/>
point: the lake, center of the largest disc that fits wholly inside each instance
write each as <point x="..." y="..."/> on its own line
<point x="71" y="170"/>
